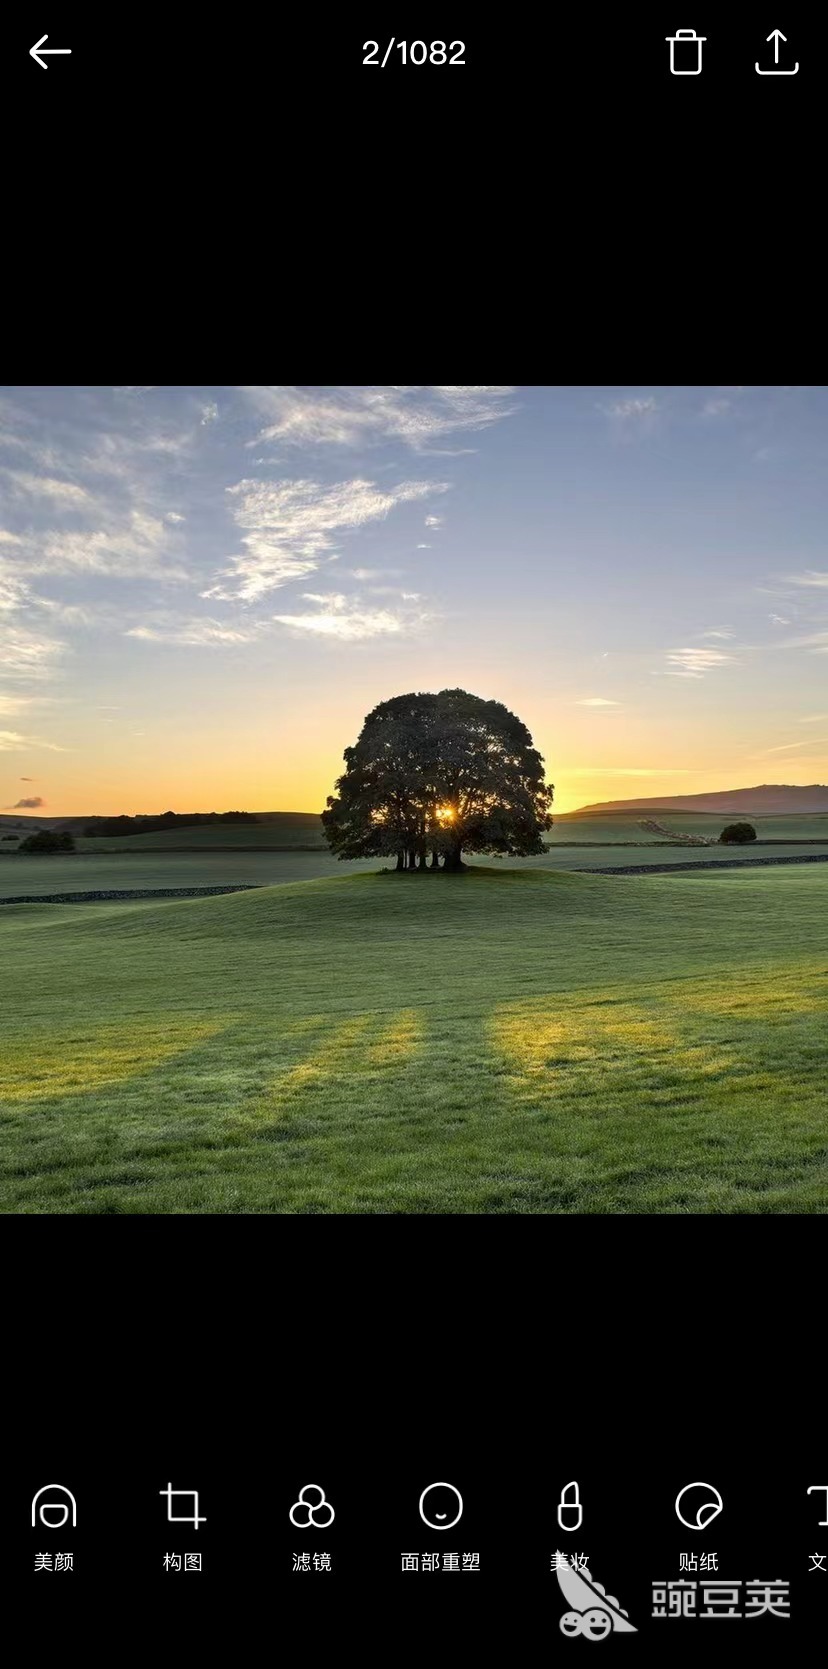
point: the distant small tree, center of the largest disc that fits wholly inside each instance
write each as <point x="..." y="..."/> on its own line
<point x="737" y="834"/>
<point x="47" y="840"/>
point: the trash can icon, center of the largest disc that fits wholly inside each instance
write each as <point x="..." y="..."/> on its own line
<point x="685" y="52"/>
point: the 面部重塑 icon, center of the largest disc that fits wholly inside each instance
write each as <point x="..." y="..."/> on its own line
<point x="437" y="1502"/>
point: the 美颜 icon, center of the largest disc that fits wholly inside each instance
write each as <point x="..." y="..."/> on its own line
<point x="570" y="1511"/>
<point x="703" y="1507"/>
<point x="685" y="52"/>
<point x="305" y="1513"/>
<point x="441" y="1506"/>
<point x="62" y="1507"/>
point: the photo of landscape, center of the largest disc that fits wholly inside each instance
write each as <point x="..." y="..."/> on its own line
<point x="413" y="799"/>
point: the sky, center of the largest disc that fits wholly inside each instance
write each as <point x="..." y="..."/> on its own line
<point x="203" y="590"/>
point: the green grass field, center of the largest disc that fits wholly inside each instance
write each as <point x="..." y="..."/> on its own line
<point x="507" y="1040"/>
<point x="109" y="872"/>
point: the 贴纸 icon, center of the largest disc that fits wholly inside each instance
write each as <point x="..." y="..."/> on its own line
<point x="709" y="1506"/>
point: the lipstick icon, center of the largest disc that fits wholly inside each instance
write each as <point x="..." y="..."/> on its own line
<point x="570" y="1511"/>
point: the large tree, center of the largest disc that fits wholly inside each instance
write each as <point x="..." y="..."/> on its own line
<point x="439" y="774"/>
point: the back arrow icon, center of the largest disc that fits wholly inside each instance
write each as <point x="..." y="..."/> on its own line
<point x="49" y="51"/>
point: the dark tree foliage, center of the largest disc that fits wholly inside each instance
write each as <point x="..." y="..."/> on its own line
<point x="737" y="834"/>
<point x="167" y="820"/>
<point x="47" y="840"/>
<point x="441" y="775"/>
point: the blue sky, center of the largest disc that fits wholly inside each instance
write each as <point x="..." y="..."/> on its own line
<point x="203" y="590"/>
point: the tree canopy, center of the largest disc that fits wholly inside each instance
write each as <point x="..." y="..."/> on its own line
<point x="47" y="840"/>
<point x="737" y="834"/>
<point x="439" y="774"/>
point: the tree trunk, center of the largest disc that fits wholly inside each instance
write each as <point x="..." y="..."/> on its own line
<point x="435" y="859"/>
<point x="454" y="856"/>
<point x="412" y="860"/>
<point x="400" y="860"/>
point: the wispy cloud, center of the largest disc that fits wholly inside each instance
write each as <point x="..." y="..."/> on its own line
<point x="28" y="655"/>
<point x="695" y="662"/>
<point x="632" y="410"/>
<point x="337" y="617"/>
<point x="625" y="771"/>
<point x="595" y="701"/>
<point x="789" y="747"/>
<point x="815" y="718"/>
<point x="209" y="413"/>
<point x="816" y="642"/>
<point x="417" y="415"/>
<point x="779" y="620"/>
<point x="204" y="633"/>
<point x="434" y="521"/>
<point x="138" y="546"/>
<point x="27" y="805"/>
<point x="294" y="526"/>
<point x="716" y="408"/>
<point x="11" y="741"/>
<point x="44" y="486"/>
<point x="723" y="635"/>
<point x="811" y="576"/>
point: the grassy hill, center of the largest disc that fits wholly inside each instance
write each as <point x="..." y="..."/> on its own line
<point x="500" y="1041"/>
<point x="768" y="799"/>
<point x="282" y="831"/>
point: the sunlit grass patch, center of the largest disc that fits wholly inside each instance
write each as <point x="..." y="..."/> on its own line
<point x="37" y="1067"/>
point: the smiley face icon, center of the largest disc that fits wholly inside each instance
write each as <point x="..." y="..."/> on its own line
<point x="441" y="1506"/>
<point x="596" y="1624"/>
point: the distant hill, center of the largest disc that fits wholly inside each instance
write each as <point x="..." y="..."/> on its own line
<point x="767" y="800"/>
<point x="30" y="825"/>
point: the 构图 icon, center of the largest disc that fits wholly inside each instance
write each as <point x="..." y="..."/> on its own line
<point x="702" y="1507"/>
<point x="593" y="1613"/>
<point x="570" y="1511"/>
<point x="437" y="1502"/>
<point x="685" y="52"/>
<point x="63" y="1507"/>
<point x="193" y="1518"/>
<point x="305" y="1513"/>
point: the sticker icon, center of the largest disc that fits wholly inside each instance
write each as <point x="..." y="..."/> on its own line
<point x="437" y="1502"/>
<point x="706" y="1507"/>
<point x="63" y="1508"/>
<point x="686" y="48"/>
<point x="570" y="1511"/>
<point x="185" y="1518"/>
<point x="593" y="1613"/>
<point x="306" y="1511"/>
